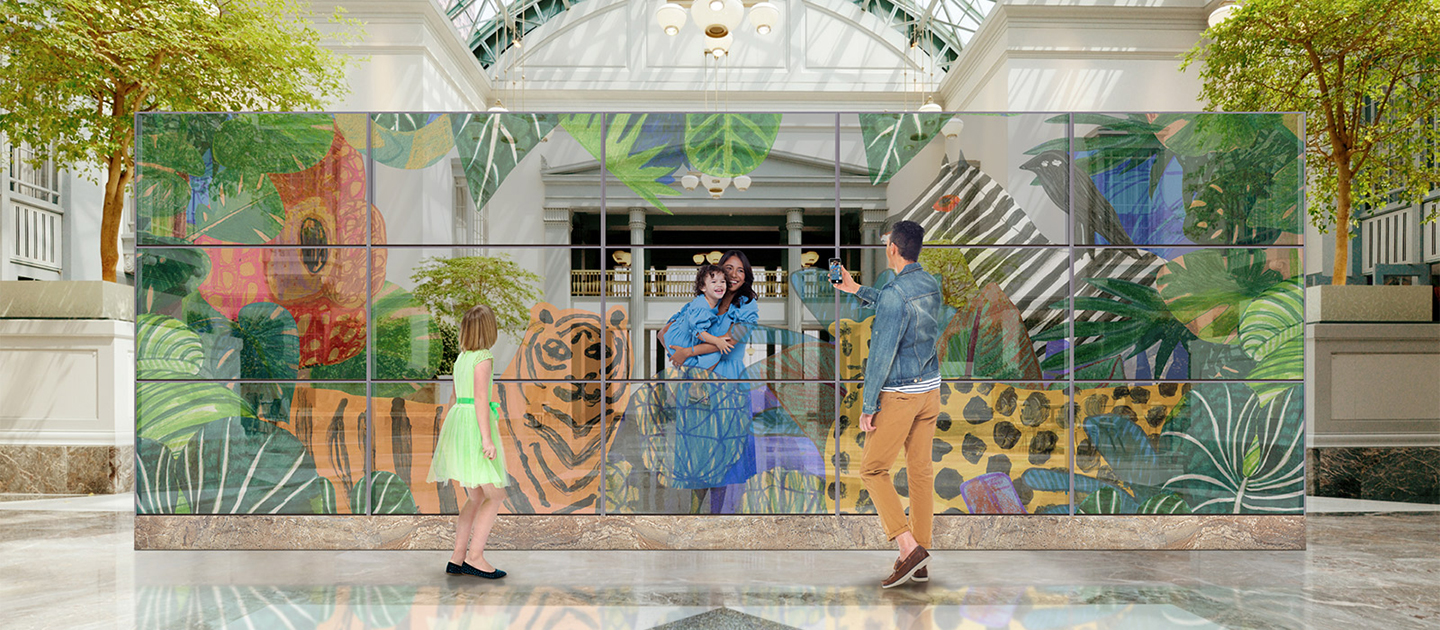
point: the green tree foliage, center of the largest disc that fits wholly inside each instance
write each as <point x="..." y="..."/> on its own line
<point x="1364" y="72"/>
<point x="450" y="286"/>
<point x="74" y="73"/>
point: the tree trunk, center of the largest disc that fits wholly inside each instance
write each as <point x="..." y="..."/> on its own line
<point x="1342" y="221"/>
<point x="117" y="178"/>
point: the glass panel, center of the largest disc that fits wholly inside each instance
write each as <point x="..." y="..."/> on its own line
<point x="775" y="337"/>
<point x="1002" y="317"/>
<point x="483" y="178"/>
<point x="249" y="448"/>
<point x="1201" y="314"/>
<point x="968" y="179"/>
<point x="708" y="447"/>
<point x="545" y="330"/>
<point x="251" y="179"/>
<point x="550" y="434"/>
<point x="251" y="313"/>
<point x="1185" y="179"/>
<point x="987" y="437"/>
<point x="715" y="181"/>
<point x="1170" y="448"/>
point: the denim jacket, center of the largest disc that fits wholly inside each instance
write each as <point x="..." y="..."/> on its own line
<point x="904" y="334"/>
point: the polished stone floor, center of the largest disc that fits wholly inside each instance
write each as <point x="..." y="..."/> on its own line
<point x="68" y="563"/>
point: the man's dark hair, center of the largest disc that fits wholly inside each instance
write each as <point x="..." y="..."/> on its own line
<point x="908" y="235"/>
<point x="707" y="270"/>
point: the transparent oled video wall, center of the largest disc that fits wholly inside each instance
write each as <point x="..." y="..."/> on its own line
<point x="1122" y="319"/>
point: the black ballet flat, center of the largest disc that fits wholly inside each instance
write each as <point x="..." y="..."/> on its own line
<point x="453" y="569"/>
<point x="467" y="569"/>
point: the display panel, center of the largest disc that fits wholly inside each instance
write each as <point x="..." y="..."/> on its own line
<point x="301" y="278"/>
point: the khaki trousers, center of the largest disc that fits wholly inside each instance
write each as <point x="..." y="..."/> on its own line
<point x="904" y="420"/>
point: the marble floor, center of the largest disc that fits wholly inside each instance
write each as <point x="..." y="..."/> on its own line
<point x="67" y="563"/>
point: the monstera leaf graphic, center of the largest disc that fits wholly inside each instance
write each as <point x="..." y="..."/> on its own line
<point x="237" y="466"/>
<point x="729" y="145"/>
<point x="1239" y="455"/>
<point x="1272" y="331"/>
<point x="491" y="145"/>
<point x="892" y="140"/>
<point x="155" y="474"/>
<point x="166" y="348"/>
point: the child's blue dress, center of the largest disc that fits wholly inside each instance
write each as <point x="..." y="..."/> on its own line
<point x="685" y="328"/>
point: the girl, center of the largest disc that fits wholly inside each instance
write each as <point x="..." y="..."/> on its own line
<point x="468" y="450"/>
<point x="691" y="326"/>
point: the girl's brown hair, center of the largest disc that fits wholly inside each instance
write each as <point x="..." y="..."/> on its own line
<point x="704" y="274"/>
<point x="477" y="328"/>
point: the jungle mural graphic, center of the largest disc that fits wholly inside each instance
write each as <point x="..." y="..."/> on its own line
<point x="267" y="314"/>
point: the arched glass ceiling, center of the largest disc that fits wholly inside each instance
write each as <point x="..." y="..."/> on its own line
<point x="940" y="27"/>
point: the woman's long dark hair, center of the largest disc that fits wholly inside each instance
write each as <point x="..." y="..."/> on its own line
<point x="746" y="290"/>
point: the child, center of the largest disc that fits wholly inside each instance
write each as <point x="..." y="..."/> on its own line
<point x="691" y="326"/>
<point x="468" y="450"/>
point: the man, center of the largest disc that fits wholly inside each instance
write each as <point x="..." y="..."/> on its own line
<point x="902" y="397"/>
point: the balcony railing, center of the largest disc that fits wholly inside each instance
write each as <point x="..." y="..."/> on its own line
<point x="40" y="182"/>
<point x="36" y="236"/>
<point x="677" y="283"/>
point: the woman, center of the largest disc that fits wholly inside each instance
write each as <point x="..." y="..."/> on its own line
<point x="739" y="311"/>
<point x="738" y="314"/>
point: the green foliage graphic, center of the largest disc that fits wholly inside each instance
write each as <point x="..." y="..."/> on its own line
<point x="170" y="412"/>
<point x="1209" y="289"/>
<point x="620" y="157"/>
<point x="388" y="495"/>
<point x="155" y="474"/>
<point x="491" y="146"/>
<point x="892" y="140"/>
<point x="1141" y="322"/>
<point x="166" y="348"/>
<point x="1239" y="455"/>
<point x="729" y="145"/>
<point x="236" y="466"/>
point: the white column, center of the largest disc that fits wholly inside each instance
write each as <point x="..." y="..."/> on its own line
<point x="7" y="217"/>
<point x="639" y="346"/>
<point x="794" y="310"/>
<point x="557" y="260"/>
<point x="872" y="262"/>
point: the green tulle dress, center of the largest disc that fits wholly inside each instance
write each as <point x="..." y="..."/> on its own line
<point x="459" y="452"/>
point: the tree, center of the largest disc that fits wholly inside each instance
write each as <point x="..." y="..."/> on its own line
<point x="74" y="73"/>
<point x="450" y="286"/>
<point x="1365" y="74"/>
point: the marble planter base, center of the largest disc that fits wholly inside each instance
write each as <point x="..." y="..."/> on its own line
<point x="1404" y="474"/>
<point x="26" y="469"/>
<point x="816" y="532"/>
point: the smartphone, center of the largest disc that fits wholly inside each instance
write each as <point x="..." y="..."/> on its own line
<point x="835" y="276"/>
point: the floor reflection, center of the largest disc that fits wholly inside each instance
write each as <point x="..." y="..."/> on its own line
<point x="439" y="608"/>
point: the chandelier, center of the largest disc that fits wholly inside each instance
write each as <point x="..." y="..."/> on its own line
<point x="716" y="186"/>
<point x="718" y="19"/>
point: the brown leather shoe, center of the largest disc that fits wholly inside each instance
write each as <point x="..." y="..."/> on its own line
<point x="923" y="575"/>
<point x="906" y="568"/>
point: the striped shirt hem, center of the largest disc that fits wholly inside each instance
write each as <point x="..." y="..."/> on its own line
<point x="915" y="388"/>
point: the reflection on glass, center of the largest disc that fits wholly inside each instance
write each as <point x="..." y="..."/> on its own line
<point x="987" y="436"/>
<point x="963" y="177"/>
<point x="249" y="448"/>
<point x="694" y="445"/>
<point x="551" y="433"/>
<point x="251" y="179"/>
<point x="1168" y="448"/>
<point x="1179" y="178"/>
<point x="771" y="331"/>
<point x="1202" y="314"/>
<point x="254" y="313"/>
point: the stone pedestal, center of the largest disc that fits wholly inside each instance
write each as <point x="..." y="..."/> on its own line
<point x="67" y="388"/>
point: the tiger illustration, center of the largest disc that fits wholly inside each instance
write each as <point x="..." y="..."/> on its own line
<point x="554" y="429"/>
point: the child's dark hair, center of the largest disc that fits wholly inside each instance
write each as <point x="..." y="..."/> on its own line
<point x="704" y="274"/>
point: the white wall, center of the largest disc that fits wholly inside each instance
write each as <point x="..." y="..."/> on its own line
<point x="411" y="59"/>
<point x="1080" y="55"/>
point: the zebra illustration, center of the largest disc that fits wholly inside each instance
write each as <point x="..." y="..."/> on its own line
<point x="965" y="206"/>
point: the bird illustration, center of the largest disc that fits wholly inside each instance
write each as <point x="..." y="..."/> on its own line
<point x="1093" y="212"/>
